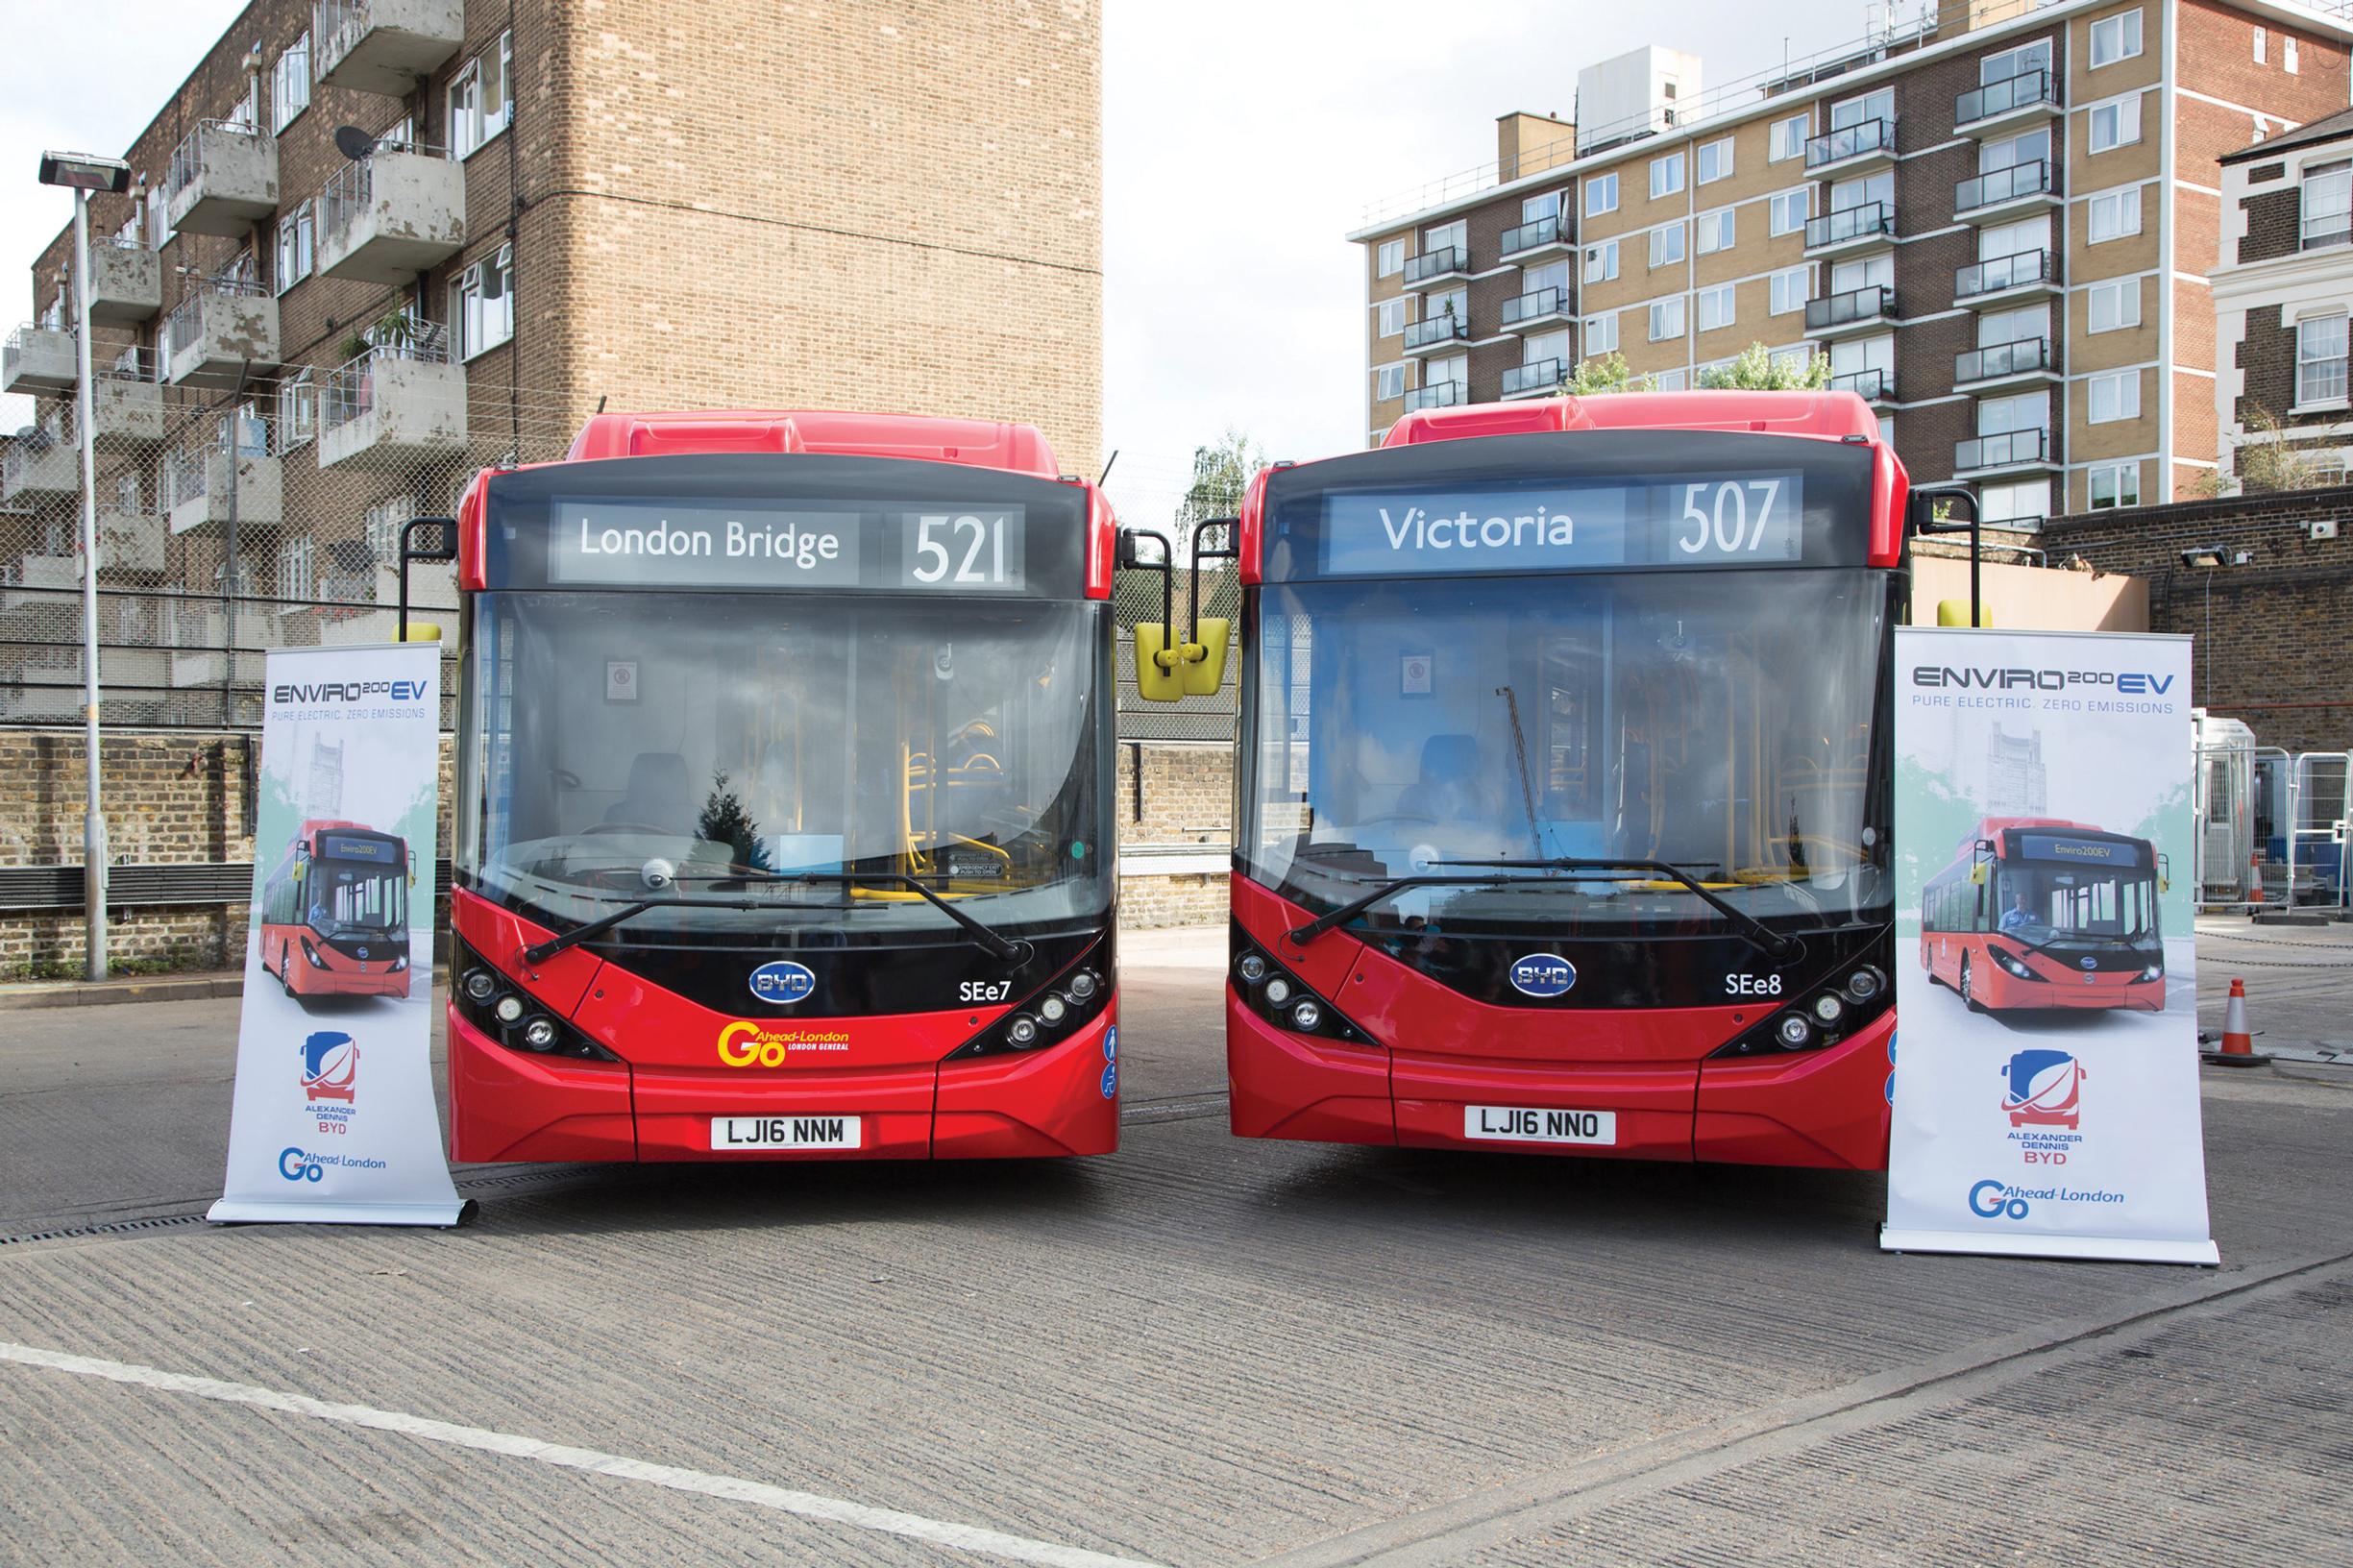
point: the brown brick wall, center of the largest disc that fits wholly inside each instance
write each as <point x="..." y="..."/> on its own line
<point x="2273" y="224"/>
<point x="2266" y="355"/>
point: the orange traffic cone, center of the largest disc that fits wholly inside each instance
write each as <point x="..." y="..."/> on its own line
<point x="2238" y="1045"/>
<point x="2254" y="877"/>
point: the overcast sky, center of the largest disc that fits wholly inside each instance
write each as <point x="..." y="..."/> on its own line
<point x="1242" y="142"/>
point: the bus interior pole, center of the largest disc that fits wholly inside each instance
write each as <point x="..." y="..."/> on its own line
<point x="94" y="814"/>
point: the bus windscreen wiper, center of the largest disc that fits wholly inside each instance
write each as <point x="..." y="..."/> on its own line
<point x="1756" y="932"/>
<point x="1303" y="934"/>
<point x="579" y="934"/>
<point x="1007" y="949"/>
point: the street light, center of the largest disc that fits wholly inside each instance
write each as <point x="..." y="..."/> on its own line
<point x="82" y="173"/>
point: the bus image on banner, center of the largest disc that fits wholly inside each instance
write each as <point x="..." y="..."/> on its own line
<point x="335" y="913"/>
<point x="784" y="797"/>
<point x="1565" y="783"/>
<point x="2036" y="912"/>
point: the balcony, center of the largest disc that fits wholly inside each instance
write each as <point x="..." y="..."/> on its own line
<point x="1435" y="334"/>
<point x="1851" y="149"/>
<point x="1536" y="310"/>
<point x="1535" y="380"/>
<point x="223" y="179"/>
<point x="1537" y="241"/>
<point x="384" y="46"/>
<point x="38" y="358"/>
<point x="395" y="406"/>
<point x="36" y="583"/>
<point x="387" y="217"/>
<point x="1437" y="394"/>
<point x="2002" y="366"/>
<point x="44" y="462"/>
<point x="2012" y="452"/>
<point x="1849" y="314"/>
<point x="1445" y="264"/>
<point x="126" y="283"/>
<point x="2002" y="279"/>
<point x="2014" y="100"/>
<point x="1873" y="386"/>
<point x="2006" y="193"/>
<point x="225" y="332"/>
<point x="127" y="403"/>
<point x="129" y="543"/>
<point x="197" y="477"/>
<point x="1869" y="226"/>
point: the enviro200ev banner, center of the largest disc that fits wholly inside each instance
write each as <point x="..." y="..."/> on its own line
<point x="334" y="1118"/>
<point x="2047" y="1070"/>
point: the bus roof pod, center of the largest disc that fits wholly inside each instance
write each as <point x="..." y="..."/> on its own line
<point x="979" y="443"/>
<point x="1830" y="416"/>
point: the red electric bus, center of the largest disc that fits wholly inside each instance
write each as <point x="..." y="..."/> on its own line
<point x="2038" y="911"/>
<point x="784" y="777"/>
<point x="1565" y="783"/>
<point x="335" y="913"/>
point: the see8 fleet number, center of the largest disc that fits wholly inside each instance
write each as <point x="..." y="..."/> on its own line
<point x="1752" y="985"/>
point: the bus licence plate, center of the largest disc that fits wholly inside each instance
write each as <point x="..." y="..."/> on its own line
<point x="1519" y="1124"/>
<point x="750" y="1134"/>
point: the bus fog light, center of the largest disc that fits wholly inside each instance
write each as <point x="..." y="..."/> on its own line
<point x="1863" y="984"/>
<point x="509" y="1009"/>
<point x="1793" y="1031"/>
<point x="539" y="1034"/>
<point x="1252" y="967"/>
<point x="1828" y="1009"/>
<point x="481" y="984"/>
<point x="1278" y="992"/>
<point x="1306" y="1015"/>
<point x="2153" y="972"/>
<point x="1083" y="984"/>
<point x="1023" y="1030"/>
<point x="1053" y="1010"/>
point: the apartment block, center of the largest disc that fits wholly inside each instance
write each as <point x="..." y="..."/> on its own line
<point x="1996" y="221"/>
<point x="374" y="245"/>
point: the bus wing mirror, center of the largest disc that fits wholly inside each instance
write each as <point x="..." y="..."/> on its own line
<point x="2165" y="874"/>
<point x="1205" y="660"/>
<point x="1985" y="847"/>
<point x="1977" y="875"/>
<point x="1157" y="664"/>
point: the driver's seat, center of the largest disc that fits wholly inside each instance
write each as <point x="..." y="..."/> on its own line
<point x="1452" y="787"/>
<point x="658" y="794"/>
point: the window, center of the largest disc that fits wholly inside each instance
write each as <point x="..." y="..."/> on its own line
<point x="1602" y="261"/>
<point x="296" y="579"/>
<point x="1715" y="161"/>
<point x="1455" y="235"/>
<point x="1667" y="245"/>
<point x="2116" y="214"/>
<point x="1995" y="327"/>
<point x="2032" y="147"/>
<point x="1542" y="345"/>
<point x="2018" y="62"/>
<point x="480" y="104"/>
<point x="290" y="83"/>
<point x="1887" y="430"/>
<point x="1853" y="355"/>
<point x="1786" y="139"/>
<point x="1790" y="291"/>
<point x="1389" y="382"/>
<point x="1392" y="257"/>
<point x="1666" y="319"/>
<point x="1601" y="194"/>
<point x="381" y="526"/>
<point x="482" y="303"/>
<point x="1537" y="208"/>
<point x="2115" y="124"/>
<point x="2259" y="60"/>
<point x="1392" y="316"/>
<point x="1788" y="211"/>
<point x="294" y="247"/>
<point x="2021" y="411"/>
<point x="241" y="112"/>
<point x="295" y="409"/>
<point x="1872" y="105"/>
<point x="1715" y="232"/>
<point x="2027" y="501"/>
<point x="1454" y="302"/>
<point x="2114" y="396"/>
<point x="1602" y="333"/>
<point x="1455" y="367"/>
<point x="1551" y="274"/>
<point x="2319" y="361"/>
<point x="2114" y="38"/>
<point x="1715" y="308"/>
<point x="1670" y="381"/>
<point x="2113" y="306"/>
<point x="2115" y="485"/>
<point x="2327" y="205"/>
<point x="1871" y="272"/>
<point x="2287" y="53"/>
<point x="1666" y="175"/>
<point x="1796" y="358"/>
<point x="1998" y="240"/>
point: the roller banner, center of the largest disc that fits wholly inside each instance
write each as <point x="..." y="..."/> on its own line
<point x="333" y="1118"/>
<point x="2047" y="1072"/>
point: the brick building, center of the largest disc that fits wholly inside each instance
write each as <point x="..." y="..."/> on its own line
<point x="1996" y="221"/>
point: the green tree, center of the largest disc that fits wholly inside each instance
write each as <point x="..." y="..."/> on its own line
<point x="1221" y="472"/>
<point x="1610" y="372"/>
<point x="1756" y="369"/>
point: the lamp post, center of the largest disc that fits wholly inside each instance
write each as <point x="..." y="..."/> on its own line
<point x="81" y="174"/>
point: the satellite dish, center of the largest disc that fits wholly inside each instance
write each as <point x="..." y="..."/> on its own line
<point x="353" y="142"/>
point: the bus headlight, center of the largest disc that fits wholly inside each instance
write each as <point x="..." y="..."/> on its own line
<point x="1083" y="985"/>
<point x="481" y="984"/>
<point x="1252" y="967"/>
<point x="1052" y="1009"/>
<point x="509" y="1009"/>
<point x="1828" y="1009"/>
<point x="1022" y="1030"/>
<point x="2011" y="964"/>
<point x="1864" y="984"/>
<point x="2155" y="971"/>
<point x="539" y="1034"/>
<point x="1794" y="1032"/>
<point x="1306" y="1016"/>
<point x="313" y="953"/>
<point x="401" y="963"/>
<point x="1278" y="992"/>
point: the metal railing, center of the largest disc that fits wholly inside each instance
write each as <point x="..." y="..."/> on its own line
<point x="1851" y="141"/>
<point x="1865" y="303"/>
<point x="1420" y="334"/>
<point x="187" y="162"/>
<point x="350" y="388"/>
<point x="55" y="431"/>
<point x="1535" y="377"/>
<point x="2032" y="178"/>
<point x="1849" y="223"/>
<point x="336" y="26"/>
<point x="2011" y="358"/>
<point x="2003" y="451"/>
<point x="2011" y="92"/>
<point x="1437" y="394"/>
<point x="1437" y="264"/>
<point x="1528" y="236"/>
<point x="1868" y="384"/>
<point x="1999" y="272"/>
<point x="185" y="325"/>
<point x="1535" y="306"/>
<point x="134" y="364"/>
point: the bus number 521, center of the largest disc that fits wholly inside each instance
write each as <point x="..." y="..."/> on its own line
<point x="952" y="548"/>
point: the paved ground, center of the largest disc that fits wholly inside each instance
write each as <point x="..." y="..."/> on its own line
<point x="2298" y="982"/>
<point x="1200" y="1351"/>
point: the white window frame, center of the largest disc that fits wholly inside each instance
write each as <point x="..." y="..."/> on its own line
<point x="2123" y="117"/>
<point x="2124" y="39"/>
<point x="2123" y="207"/>
<point x="1666" y="176"/>
<point x="297" y="410"/>
<point x="1455" y="235"/>
<point x="1596" y="187"/>
<point x="1389" y="258"/>
<point x="1601" y="333"/>
<point x="2333" y="391"/>
<point x="1722" y="148"/>
<point x="297" y="242"/>
<point x="2119" y="389"/>
<point x="290" y="83"/>
<point x="2124" y="295"/>
<point x="2287" y="53"/>
<point x="1390" y="382"/>
<point x="297" y="558"/>
<point x="1600" y="262"/>
<point x="2339" y="172"/>
<point x="1721" y="221"/>
<point x="1722" y="296"/>
<point x="1777" y="203"/>
<point x="2118" y="477"/>
<point x="1670" y="381"/>
<point x="2259" y="36"/>
<point x="2009" y="489"/>
<point x="1389" y="315"/>
<point x="1669" y="311"/>
<point x="1793" y="143"/>
<point x="1791" y="287"/>
<point x="1660" y="245"/>
<point x="470" y="281"/>
<point x="473" y="126"/>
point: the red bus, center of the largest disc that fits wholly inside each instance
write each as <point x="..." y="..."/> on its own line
<point x="335" y="913"/>
<point x="1565" y="783"/>
<point x="784" y="789"/>
<point x="2038" y="912"/>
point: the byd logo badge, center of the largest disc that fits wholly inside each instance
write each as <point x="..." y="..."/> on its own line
<point x="1543" y="974"/>
<point x="782" y="983"/>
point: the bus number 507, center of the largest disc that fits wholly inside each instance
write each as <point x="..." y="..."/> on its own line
<point x="1727" y="526"/>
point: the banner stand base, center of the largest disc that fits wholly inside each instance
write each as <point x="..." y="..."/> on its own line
<point x="2094" y="1248"/>
<point x="257" y="1211"/>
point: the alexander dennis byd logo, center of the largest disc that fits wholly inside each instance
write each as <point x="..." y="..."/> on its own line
<point x="1543" y="974"/>
<point x="331" y="1078"/>
<point x="2045" y="1089"/>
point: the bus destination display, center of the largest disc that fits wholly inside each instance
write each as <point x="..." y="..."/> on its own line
<point x="634" y="542"/>
<point x="1723" y="520"/>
